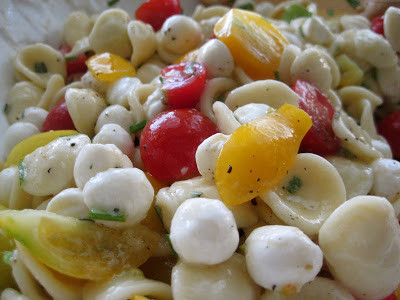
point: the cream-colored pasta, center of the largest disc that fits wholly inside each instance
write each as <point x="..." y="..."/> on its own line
<point x="139" y="96"/>
<point x="245" y="214"/>
<point x="81" y="46"/>
<point x="354" y="94"/>
<point x="11" y="294"/>
<point x="203" y="13"/>
<point x="335" y="100"/>
<point x="77" y="26"/>
<point x="69" y="203"/>
<point x="84" y="106"/>
<point x="264" y="8"/>
<point x="344" y="43"/>
<point x="389" y="82"/>
<point x="335" y="72"/>
<point x="40" y="202"/>
<point x="16" y="133"/>
<point x="252" y="111"/>
<point x="34" y="115"/>
<point x="49" y="169"/>
<point x="316" y="31"/>
<point x="226" y="281"/>
<point x="22" y="95"/>
<point x="357" y="176"/>
<point x="125" y="286"/>
<point x="110" y="33"/>
<point x="311" y="66"/>
<point x="115" y="114"/>
<point x="319" y="288"/>
<point x="311" y="190"/>
<point x="96" y="158"/>
<point x="214" y="88"/>
<point x="288" y="56"/>
<point x="88" y="81"/>
<point x="11" y="193"/>
<point x="386" y="174"/>
<point x="150" y="70"/>
<point x="226" y="121"/>
<point x="119" y="91"/>
<point x="115" y="134"/>
<point x="144" y="42"/>
<point x="55" y="83"/>
<point x="137" y="160"/>
<point x="266" y="214"/>
<point x="38" y="62"/>
<point x="391" y="25"/>
<point x="358" y="240"/>
<point x="241" y="77"/>
<point x="207" y="27"/>
<point x="270" y="92"/>
<point x="354" y="22"/>
<point x="61" y="93"/>
<point x="154" y="104"/>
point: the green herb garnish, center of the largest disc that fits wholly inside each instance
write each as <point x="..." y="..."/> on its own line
<point x="112" y="2"/>
<point x="69" y="135"/>
<point x="161" y="79"/>
<point x="295" y="11"/>
<point x="302" y="32"/>
<point x="219" y="98"/>
<point x="107" y="216"/>
<point x="138" y="126"/>
<point x="330" y="12"/>
<point x="247" y="6"/>
<point x="294" y="185"/>
<point x="353" y="3"/>
<point x="336" y="115"/>
<point x="189" y="70"/>
<point x="7" y="257"/>
<point x="6" y="108"/>
<point x="72" y="57"/>
<point x="158" y="212"/>
<point x="196" y="194"/>
<point x="21" y="171"/>
<point x="347" y="153"/>
<point x="40" y="67"/>
<point x="170" y="244"/>
<point x="374" y="73"/>
<point x="276" y="74"/>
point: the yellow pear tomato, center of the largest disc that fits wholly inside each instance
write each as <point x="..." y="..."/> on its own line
<point x="30" y="144"/>
<point x="255" y="44"/>
<point x="109" y="67"/>
<point x="258" y="154"/>
<point x="188" y="57"/>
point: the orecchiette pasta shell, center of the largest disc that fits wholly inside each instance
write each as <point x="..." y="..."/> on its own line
<point x="154" y="104"/>
<point x="34" y="115"/>
<point x="119" y="90"/>
<point x="51" y="62"/>
<point x="16" y="133"/>
<point x="391" y="27"/>
<point x="252" y="111"/>
<point x="354" y="22"/>
<point x="55" y="83"/>
<point x="70" y="203"/>
<point x="288" y="56"/>
<point x="308" y="194"/>
<point x="203" y="13"/>
<point x="316" y="31"/>
<point x="226" y="121"/>
<point x="81" y="46"/>
<point x="144" y="42"/>
<point x="266" y="213"/>
<point x="77" y="26"/>
<point x="11" y="193"/>
<point x="115" y="114"/>
<point x="61" y="93"/>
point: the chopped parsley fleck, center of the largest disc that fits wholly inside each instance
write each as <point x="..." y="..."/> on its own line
<point x="242" y="247"/>
<point x="302" y="32"/>
<point x="247" y="6"/>
<point x="40" y="67"/>
<point x="189" y="70"/>
<point x="374" y="73"/>
<point x="294" y="185"/>
<point x="112" y="2"/>
<point x="196" y="194"/>
<point x="330" y="12"/>
<point x="276" y="74"/>
<point x="164" y="99"/>
<point x="21" y="171"/>
<point x="138" y="126"/>
<point x="347" y="153"/>
<point x="161" y="79"/>
<point x="6" y="108"/>
<point x="69" y="135"/>
<point x="7" y="257"/>
<point x="72" y="57"/>
<point x="220" y="98"/>
<point x="336" y="115"/>
<point x="85" y="219"/>
<point x="91" y="167"/>
<point x="353" y="3"/>
<point x="158" y="212"/>
<point x="170" y="244"/>
<point x="107" y="216"/>
<point x="295" y="11"/>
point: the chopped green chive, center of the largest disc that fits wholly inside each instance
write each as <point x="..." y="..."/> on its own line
<point x="220" y="98"/>
<point x="295" y="11"/>
<point x="170" y="244"/>
<point x="347" y="153"/>
<point x="302" y="32"/>
<point x="21" y="171"/>
<point x="336" y="115"/>
<point x="374" y="73"/>
<point x="158" y="212"/>
<point x="91" y="167"/>
<point x="330" y="12"/>
<point x="164" y="99"/>
<point x="112" y="2"/>
<point x="247" y="6"/>
<point x="189" y="70"/>
<point x="72" y="57"/>
<point x="138" y="126"/>
<point x="7" y="257"/>
<point x="294" y="185"/>
<point x="353" y="3"/>
<point x="69" y="135"/>
<point x="242" y="247"/>
<point x="107" y="216"/>
<point x="161" y="79"/>
<point x="40" y="68"/>
<point x="6" y="107"/>
<point x="196" y="194"/>
<point x="276" y="74"/>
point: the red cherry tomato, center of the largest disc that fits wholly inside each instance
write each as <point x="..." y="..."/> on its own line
<point x="168" y="143"/>
<point x="390" y="297"/>
<point x="320" y="139"/>
<point x="74" y="64"/>
<point x="183" y="84"/>
<point x="389" y="127"/>
<point x="155" y="12"/>
<point x="377" y="25"/>
<point x="58" y="118"/>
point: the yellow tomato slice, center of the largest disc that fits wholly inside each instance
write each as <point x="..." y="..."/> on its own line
<point x="109" y="67"/>
<point x="259" y="153"/>
<point x="188" y="57"/>
<point x="255" y="44"/>
<point x="29" y="145"/>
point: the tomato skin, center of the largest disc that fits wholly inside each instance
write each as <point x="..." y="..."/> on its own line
<point x="74" y="66"/>
<point x="389" y="127"/>
<point x="377" y="25"/>
<point x="58" y="118"/>
<point x="155" y="12"/>
<point x="168" y="143"/>
<point x="390" y="297"/>
<point x="183" y="84"/>
<point x="320" y="139"/>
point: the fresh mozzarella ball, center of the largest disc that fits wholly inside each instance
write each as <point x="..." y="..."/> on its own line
<point x="115" y="114"/>
<point x="252" y="111"/>
<point x="207" y="154"/>
<point x="126" y="191"/>
<point x="35" y="116"/>
<point x="386" y="178"/>
<point x="361" y="244"/>
<point x="203" y="231"/>
<point x="217" y="58"/>
<point x="95" y="158"/>
<point x="282" y="258"/>
<point x="69" y="203"/>
<point x="316" y="31"/>
<point x="115" y="134"/>
<point x="180" y="34"/>
<point x="16" y="133"/>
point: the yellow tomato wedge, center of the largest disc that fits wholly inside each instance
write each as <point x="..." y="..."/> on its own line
<point x="29" y="145"/>
<point x="255" y="44"/>
<point x="79" y="248"/>
<point x="139" y="298"/>
<point x="259" y="153"/>
<point x="109" y="67"/>
<point x="188" y="57"/>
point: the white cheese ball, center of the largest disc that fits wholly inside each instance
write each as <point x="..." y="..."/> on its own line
<point x="16" y="133"/>
<point x="126" y="191"/>
<point x="386" y="182"/>
<point x="95" y="158"/>
<point x="361" y="244"/>
<point x="35" y="116"/>
<point x="180" y="34"/>
<point x="252" y="111"/>
<point x="217" y="59"/>
<point x="70" y="203"/>
<point x="282" y="258"/>
<point x="115" y="134"/>
<point x="115" y="114"/>
<point x="203" y="231"/>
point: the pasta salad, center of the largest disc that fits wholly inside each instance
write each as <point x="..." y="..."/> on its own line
<point x="247" y="151"/>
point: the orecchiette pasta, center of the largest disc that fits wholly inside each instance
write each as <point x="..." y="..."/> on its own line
<point x="70" y="203"/>
<point x="144" y="42"/>
<point x="18" y="132"/>
<point x="115" y="114"/>
<point x="77" y="26"/>
<point x="119" y="91"/>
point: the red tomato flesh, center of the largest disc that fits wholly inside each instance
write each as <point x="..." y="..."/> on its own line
<point x="155" y="12"/>
<point x="377" y="25"/>
<point x="168" y="143"/>
<point x="74" y="64"/>
<point x="320" y="139"/>
<point x="389" y="127"/>
<point x="390" y="297"/>
<point x="58" y="118"/>
<point x="183" y="84"/>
